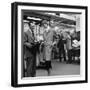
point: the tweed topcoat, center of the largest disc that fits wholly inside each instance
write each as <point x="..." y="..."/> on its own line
<point x="48" y="42"/>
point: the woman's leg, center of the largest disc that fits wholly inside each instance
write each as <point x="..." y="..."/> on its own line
<point x="48" y="50"/>
<point x="48" y="67"/>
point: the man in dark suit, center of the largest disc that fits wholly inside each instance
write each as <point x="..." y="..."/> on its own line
<point x="61" y="43"/>
<point x="29" y="50"/>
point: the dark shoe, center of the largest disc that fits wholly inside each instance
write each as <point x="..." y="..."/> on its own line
<point x="64" y="60"/>
<point x="70" y="62"/>
<point x="60" y="60"/>
<point x="67" y="62"/>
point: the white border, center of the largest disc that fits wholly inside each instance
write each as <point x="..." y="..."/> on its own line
<point x="52" y="78"/>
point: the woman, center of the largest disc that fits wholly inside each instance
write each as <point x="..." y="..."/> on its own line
<point x="48" y="44"/>
<point x="69" y="47"/>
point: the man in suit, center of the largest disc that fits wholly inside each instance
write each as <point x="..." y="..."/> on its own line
<point x="29" y="50"/>
<point x="61" y="43"/>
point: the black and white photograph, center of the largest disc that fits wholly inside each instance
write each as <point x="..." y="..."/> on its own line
<point x="50" y="44"/>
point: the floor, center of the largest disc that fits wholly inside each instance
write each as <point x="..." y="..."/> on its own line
<point x="60" y="68"/>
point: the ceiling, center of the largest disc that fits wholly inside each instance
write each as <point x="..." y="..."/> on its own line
<point x="42" y="16"/>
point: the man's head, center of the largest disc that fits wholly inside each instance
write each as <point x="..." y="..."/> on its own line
<point x="26" y="27"/>
<point x="32" y="24"/>
<point x="52" y="23"/>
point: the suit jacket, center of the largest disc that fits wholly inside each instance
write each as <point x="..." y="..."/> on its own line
<point x="60" y="44"/>
<point x="28" y="49"/>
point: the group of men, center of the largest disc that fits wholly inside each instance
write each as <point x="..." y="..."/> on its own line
<point x="32" y="47"/>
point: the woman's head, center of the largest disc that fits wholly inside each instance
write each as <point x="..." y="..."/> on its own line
<point x="45" y="23"/>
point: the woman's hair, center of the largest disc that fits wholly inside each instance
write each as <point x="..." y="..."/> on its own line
<point x="44" y="22"/>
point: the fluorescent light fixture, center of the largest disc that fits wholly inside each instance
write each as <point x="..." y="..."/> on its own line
<point x="71" y="17"/>
<point x="25" y="21"/>
<point x="51" y="13"/>
<point x="34" y="18"/>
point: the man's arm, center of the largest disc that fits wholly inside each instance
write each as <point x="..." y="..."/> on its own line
<point x="26" y="43"/>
